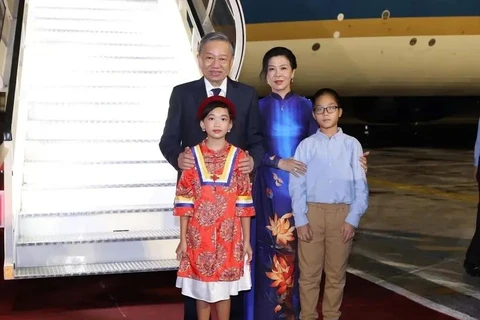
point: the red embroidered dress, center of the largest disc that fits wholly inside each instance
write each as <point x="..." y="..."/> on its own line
<point x="215" y="195"/>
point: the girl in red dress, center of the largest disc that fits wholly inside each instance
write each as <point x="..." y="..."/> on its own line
<point x="214" y="203"/>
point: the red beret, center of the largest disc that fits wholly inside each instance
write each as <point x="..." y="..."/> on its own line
<point x="216" y="99"/>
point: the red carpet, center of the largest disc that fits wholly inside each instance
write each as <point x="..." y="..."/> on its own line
<point x="152" y="296"/>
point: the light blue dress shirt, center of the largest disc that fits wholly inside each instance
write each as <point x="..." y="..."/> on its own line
<point x="334" y="176"/>
<point x="477" y="147"/>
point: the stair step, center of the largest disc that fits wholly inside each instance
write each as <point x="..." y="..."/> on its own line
<point x="99" y="36"/>
<point x="90" y="237"/>
<point x="141" y="94"/>
<point x="103" y="25"/>
<point x="98" y="221"/>
<point x="98" y="252"/>
<point x="83" y="199"/>
<point x="96" y="269"/>
<point x="101" y="64"/>
<point x="93" y="151"/>
<point x="95" y="130"/>
<point x="96" y="112"/>
<point x="141" y="15"/>
<point x="93" y="211"/>
<point x="54" y="175"/>
<point x="111" y="78"/>
<point x="100" y="4"/>
<point x="85" y="10"/>
<point x="91" y="46"/>
<point x="38" y="49"/>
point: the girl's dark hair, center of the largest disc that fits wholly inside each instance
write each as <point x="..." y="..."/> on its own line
<point x="326" y="91"/>
<point x="276" y="52"/>
<point x="213" y="105"/>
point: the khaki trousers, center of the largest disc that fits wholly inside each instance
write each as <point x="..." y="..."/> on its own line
<point x="326" y="252"/>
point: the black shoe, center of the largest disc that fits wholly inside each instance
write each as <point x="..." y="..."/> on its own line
<point x="472" y="269"/>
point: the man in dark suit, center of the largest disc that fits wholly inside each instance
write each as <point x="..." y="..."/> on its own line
<point x="182" y="129"/>
<point x="472" y="258"/>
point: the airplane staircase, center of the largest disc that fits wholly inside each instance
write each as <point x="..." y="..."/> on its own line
<point x="87" y="188"/>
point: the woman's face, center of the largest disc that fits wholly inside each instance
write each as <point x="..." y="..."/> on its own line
<point x="279" y="74"/>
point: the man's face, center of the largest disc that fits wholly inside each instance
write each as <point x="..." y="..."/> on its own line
<point x="215" y="61"/>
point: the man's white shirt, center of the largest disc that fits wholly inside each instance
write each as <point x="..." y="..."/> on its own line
<point x="209" y="87"/>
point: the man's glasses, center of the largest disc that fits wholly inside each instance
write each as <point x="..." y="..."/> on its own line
<point x="329" y="109"/>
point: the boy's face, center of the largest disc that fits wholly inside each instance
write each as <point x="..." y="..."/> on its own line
<point x="326" y="111"/>
<point x="217" y="123"/>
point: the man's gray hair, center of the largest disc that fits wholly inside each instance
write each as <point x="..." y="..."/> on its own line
<point x="214" y="36"/>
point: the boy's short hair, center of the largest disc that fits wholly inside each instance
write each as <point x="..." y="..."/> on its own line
<point x="326" y="91"/>
<point x="214" y="102"/>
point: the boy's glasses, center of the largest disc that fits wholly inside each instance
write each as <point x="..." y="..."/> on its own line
<point x="329" y="109"/>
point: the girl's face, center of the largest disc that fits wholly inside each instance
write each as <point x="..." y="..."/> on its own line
<point x="217" y="123"/>
<point x="327" y="111"/>
<point x="280" y="74"/>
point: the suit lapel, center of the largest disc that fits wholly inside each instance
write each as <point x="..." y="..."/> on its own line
<point x="195" y="95"/>
<point x="200" y="93"/>
<point x="233" y="94"/>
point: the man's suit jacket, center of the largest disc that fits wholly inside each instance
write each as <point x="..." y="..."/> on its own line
<point x="182" y="128"/>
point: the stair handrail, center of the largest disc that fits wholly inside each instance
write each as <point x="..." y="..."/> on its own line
<point x="14" y="126"/>
<point x="240" y="38"/>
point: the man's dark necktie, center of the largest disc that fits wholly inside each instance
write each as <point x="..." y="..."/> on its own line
<point x="216" y="91"/>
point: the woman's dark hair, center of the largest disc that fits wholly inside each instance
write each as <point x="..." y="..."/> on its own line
<point x="276" y="52"/>
<point x="214" y="105"/>
<point x="326" y="92"/>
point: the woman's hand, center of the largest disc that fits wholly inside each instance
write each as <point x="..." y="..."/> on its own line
<point x="295" y="167"/>
<point x="181" y="250"/>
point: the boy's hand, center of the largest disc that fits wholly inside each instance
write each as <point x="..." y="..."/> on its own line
<point x="247" y="251"/>
<point x="181" y="250"/>
<point x="363" y="161"/>
<point x="348" y="231"/>
<point x="305" y="233"/>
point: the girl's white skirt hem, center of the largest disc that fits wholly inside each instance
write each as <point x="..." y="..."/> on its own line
<point x="212" y="292"/>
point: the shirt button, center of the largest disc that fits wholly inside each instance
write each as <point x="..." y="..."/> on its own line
<point x="330" y="181"/>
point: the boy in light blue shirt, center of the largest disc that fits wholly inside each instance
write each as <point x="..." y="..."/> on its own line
<point x="328" y="202"/>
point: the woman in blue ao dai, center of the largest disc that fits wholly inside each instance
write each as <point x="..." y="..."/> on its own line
<point x="287" y="120"/>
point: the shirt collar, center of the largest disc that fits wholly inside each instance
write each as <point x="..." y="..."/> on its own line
<point x="336" y="136"/>
<point x="223" y="87"/>
<point x="207" y="150"/>
<point x="276" y="96"/>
